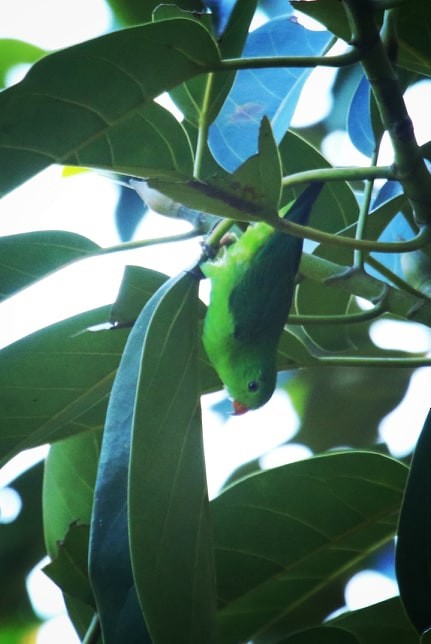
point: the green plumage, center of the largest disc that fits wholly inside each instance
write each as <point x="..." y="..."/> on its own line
<point x="252" y="285"/>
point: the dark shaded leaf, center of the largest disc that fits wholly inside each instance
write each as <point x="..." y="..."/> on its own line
<point x="414" y="536"/>
<point x="26" y="257"/>
<point x="57" y="114"/>
<point x="284" y="537"/>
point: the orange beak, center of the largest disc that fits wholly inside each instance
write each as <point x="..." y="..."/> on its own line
<point x="239" y="408"/>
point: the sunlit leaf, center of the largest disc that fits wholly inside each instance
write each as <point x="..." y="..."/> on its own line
<point x="28" y="256"/>
<point x="284" y="537"/>
<point x="105" y="117"/>
<point x="256" y="93"/>
<point x="16" y="52"/>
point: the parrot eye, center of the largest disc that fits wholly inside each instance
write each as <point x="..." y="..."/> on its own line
<point x="253" y="386"/>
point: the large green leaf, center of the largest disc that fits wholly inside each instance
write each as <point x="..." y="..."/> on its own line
<point x="170" y="538"/>
<point x="285" y="537"/>
<point x="29" y="256"/>
<point x="91" y="104"/>
<point x="56" y="382"/>
<point x="61" y="376"/>
<point x="155" y="391"/>
<point x="414" y="536"/>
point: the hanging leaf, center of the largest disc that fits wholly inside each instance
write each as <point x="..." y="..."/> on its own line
<point x="155" y="404"/>
<point x="170" y="537"/>
<point x="414" y="536"/>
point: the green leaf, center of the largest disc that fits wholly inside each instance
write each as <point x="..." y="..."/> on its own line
<point x="414" y="536"/>
<point x="105" y="117"/>
<point x="69" y="395"/>
<point x="170" y="538"/>
<point x="69" y="568"/>
<point x="15" y="52"/>
<point x="285" y="537"/>
<point x="68" y="487"/>
<point x="137" y="286"/>
<point x="383" y="622"/>
<point x="28" y="256"/>
<point x="251" y="193"/>
<point x="201" y="98"/>
<point x="156" y="331"/>
<point x="338" y="207"/>
<point x="61" y="376"/>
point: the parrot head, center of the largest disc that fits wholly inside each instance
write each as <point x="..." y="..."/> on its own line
<point x="250" y="386"/>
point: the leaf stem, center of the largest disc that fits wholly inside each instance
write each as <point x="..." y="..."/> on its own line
<point x="142" y="243"/>
<point x="338" y="174"/>
<point x="344" y="318"/>
<point x="358" y="253"/>
<point x="297" y="230"/>
<point x="342" y="60"/>
<point x="203" y="127"/>
<point x="341" y="361"/>
<point x="93" y="632"/>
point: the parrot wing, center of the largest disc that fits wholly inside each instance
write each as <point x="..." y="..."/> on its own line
<point x="260" y="301"/>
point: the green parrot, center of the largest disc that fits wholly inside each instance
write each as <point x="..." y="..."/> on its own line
<point x="252" y="285"/>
